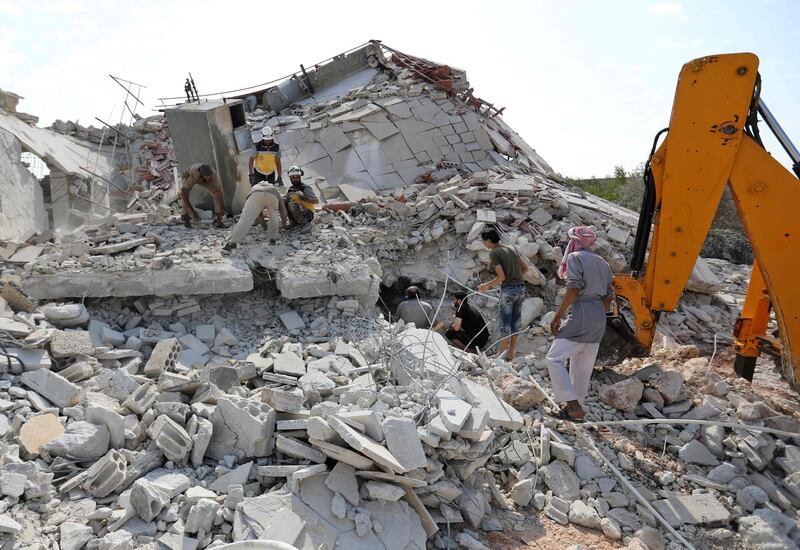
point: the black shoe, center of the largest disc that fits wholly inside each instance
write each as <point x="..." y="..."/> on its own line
<point x="187" y="221"/>
<point x="218" y="223"/>
<point x="273" y="242"/>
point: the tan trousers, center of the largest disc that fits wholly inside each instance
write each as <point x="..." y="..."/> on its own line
<point x="258" y="201"/>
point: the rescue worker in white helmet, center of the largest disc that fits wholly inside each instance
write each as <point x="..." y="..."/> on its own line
<point x="300" y="200"/>
<point x="265" y="165"/>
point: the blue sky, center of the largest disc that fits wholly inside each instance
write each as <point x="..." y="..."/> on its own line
<point x="587" y="84"/>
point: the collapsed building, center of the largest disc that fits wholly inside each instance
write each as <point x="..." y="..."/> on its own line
<point x="157" y="390"/>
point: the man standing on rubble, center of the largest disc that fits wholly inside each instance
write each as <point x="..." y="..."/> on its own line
<point x="414" y="310"/>
<point x="509" y="268"/>
<point x="588" y="297"/>
<point x="300" y="200"/>
<point x="262" y="196"/>
<point x="468" y="330"/>
<point x="204" y="176"/>
<point x="265" y="165"/>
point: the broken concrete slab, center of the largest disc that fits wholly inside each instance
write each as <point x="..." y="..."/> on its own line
<point x="404" y="443"/>
<point x="367" y="446"/>
<point x="53" y="387"/>
<point x="699" y="509"/>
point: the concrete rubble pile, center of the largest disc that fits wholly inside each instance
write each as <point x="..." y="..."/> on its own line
<point x="116" y="431"/>
<point x="158" y="391"/>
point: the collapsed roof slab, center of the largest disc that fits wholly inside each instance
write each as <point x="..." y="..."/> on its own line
<point x="223" y="277"/>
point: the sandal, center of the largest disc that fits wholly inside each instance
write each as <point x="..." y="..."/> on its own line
<point x="563" y="414"/>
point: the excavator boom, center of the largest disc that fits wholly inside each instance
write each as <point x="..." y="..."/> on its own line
<point x="710" y="144"/>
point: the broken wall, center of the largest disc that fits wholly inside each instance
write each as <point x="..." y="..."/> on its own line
<point x="22" y="211"/>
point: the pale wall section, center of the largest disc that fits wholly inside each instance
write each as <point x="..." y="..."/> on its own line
<point x="22" y="210"/>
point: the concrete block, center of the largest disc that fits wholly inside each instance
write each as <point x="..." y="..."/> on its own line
<point x="76" y="372"/>
<point x="53" y="387"/>
<point x="237" y="476"/>
<point x="141" y="399"/>
<point x="171" y="438"/>
<point x="32" y="358"/>
<point x="282" y="400"/>
<point x="105" y="475"/>
<point x="205" y="333"/>
<point x="194" y="344"/>
<point x="72" y="343"/>
<point x="201" y="432"/>
<point x="244" y="425"/>
<point x="501" y="414"/>
<point x="164" y="357"/>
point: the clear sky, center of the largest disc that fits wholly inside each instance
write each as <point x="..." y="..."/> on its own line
<point x="586" y="83"/>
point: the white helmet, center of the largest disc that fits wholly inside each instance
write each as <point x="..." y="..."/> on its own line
<point x="267" y="133"/>
<point x="295" y="171"/>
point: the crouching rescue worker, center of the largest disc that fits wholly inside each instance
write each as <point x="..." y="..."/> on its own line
<point x="468" y="330"/>
<point x="204" y="176"/>
<point x="414" y="310"/>
<point x="262" y="196"/>
<point x="300" y="200"/>
<point x="589" y="295"/>
<point x="265" y="165"/>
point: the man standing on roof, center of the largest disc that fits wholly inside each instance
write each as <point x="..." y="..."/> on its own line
<point x="509" y="268"/>
<point x="204" y="176"/>
<point x="263" y="196"/>
<point x="300" y="200"/>
<point x="589" y="295"/>
<point x="265" y="165"/>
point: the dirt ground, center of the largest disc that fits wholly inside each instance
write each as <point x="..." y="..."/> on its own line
<point x="545" y="534"/>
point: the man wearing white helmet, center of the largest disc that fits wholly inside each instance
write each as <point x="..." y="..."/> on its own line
<point x="300" y="199"/>
<point x="265" y="165"/>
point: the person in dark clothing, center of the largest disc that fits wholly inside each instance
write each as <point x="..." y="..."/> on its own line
<point x="468" y="330"/>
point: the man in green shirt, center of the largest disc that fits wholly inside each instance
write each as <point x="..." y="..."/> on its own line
<point x="509" y="267"/>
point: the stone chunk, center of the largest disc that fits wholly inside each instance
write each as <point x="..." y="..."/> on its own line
<point x="560" y="478"/>
<point x="237" y="476"/>
<point x="384" y="491"/>
<point x="342" y="480"/>
<point x="670" y="385"/>
<point x="8" y="525"/>
<point x="53" y="387"/>
<point x="201" y="516"/>
<point x="501" y="414"/>
<point x="72" y="343"/>
<point x="293" y="447"/>
<point x="623" y="395"/>
<point x="38" y="431"/>
<point x="12" y="484"/>
<point x="80" y="441"/>
<point x="111" y="420"/>
<point x="282" y="400"/>
<point x="173" y="541"/>
<point x="522" y="394"/>
<point x="74" y="536"/>
<point x="582" y="514"/>
<point x="292" y="320"/>
<point x="700" y="509"/>
<point x="522" y="492"/>
<point x="147" y="499"/>
<point x="289" y="363"/>
<point x="697" y="453"/>
<point x="403" y="442"/>
<point x="365" y="445"/>
<point x="452" y="410"/>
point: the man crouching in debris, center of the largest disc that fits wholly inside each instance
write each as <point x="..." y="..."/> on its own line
<point x="509" y="267"/>
<point x="262" y="196"/>
<point x="468" y="330"/>
<point x="589" y="295"/>
<point x="300" y="200"/>
<point x="204" y="176"/>
<point x="414" y="310"/>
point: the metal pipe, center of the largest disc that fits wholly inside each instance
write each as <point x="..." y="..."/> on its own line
<point x="781" y="136"/>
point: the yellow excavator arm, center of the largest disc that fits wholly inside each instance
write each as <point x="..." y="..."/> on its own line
<point x="713" y="141"/>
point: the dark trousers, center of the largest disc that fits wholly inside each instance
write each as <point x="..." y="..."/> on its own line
<point x="259" y="177"/>
<point x="468" y="339"/>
